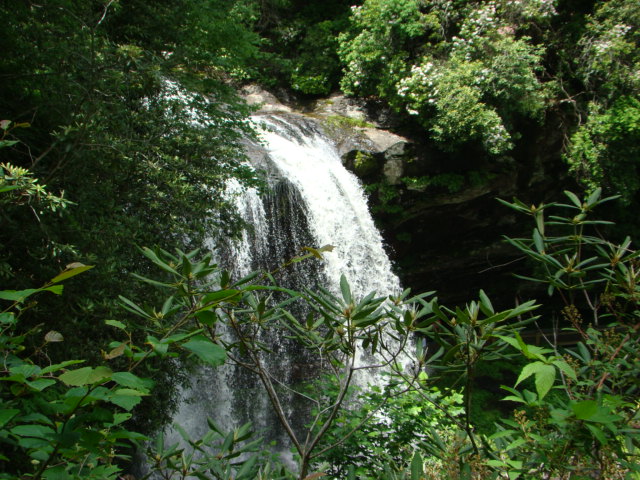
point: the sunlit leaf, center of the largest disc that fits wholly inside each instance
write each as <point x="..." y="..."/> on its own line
<point x="206" y="350"/>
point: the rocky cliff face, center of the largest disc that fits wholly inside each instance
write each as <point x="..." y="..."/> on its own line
<point x="438" y="212"/>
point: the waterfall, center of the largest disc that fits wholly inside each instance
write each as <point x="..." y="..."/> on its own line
<point x="312" y="200"/>
<point x="333" y="200"/>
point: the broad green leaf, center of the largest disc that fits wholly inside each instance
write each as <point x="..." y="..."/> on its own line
<point x="565" y="368"/>
<point x="585" y="410"/>
<point x="528" y="370"/>
<point x="545" y="376"/>
<point x="59" y="366"/>
<point x="71" y="270"/>
<point x="128" y="379"/>
<point x="510" y="340"/>
<point x="17" y="295"/>
<point x="126" y="398"/>
<point x="206" y="350"/>
<point x="41" y="383"/>
<point x="157" y="345"/>
<point x="86" y="376"/>
<point x="38" y="431"/>
<point x="6" y="415"/>
<point x="56" y="289"/>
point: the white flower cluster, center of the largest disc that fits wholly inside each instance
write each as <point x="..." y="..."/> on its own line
<point x="421" y="86"/>
<point x="608" y="40"/>
<point x="497" y="140"/>
<point x="531" y="9"/>
<point x="480" y="21"/>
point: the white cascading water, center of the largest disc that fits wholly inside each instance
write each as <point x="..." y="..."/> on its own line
<point x="323" y="204"/>
<point x="335" y="204"/>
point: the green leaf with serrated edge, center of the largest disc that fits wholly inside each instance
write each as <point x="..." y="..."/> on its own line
<point x="528" y="370"/>
<point x="510" y="340"/>
<point x="72" y="270"/>
<point x="565" y="368"/>
<point x="40" y="384"/>
<point x="544" y="378"/>
<point x="128" y="379"/>
<point x="85" y="376"/>
<point x="128" y="402"/>
<point x="130" y="392"/>
<point x="206" y="350"/>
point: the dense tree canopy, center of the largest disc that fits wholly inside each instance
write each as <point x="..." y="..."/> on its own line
<point x="97" y="89"/>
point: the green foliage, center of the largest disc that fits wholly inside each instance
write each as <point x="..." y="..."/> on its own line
<point x="374" y="48"/>
<point x="217" y="454"/>
<point x="386" y="196"/>
<point x="594" y="407"/>
<point x="462" y="88"/>
<point x="104" y="87"/>
<point x="604" y="151"/>
<point x="58" y="421"/>
<point x="333" y="329"/>
<point x="387" y="441"/>
<point x="577" y="407"/>
<point x="299" y="43"/>
<point x="452" y="182"/>
<point x="608" y="60"/>
<point x="64" y="421"/>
